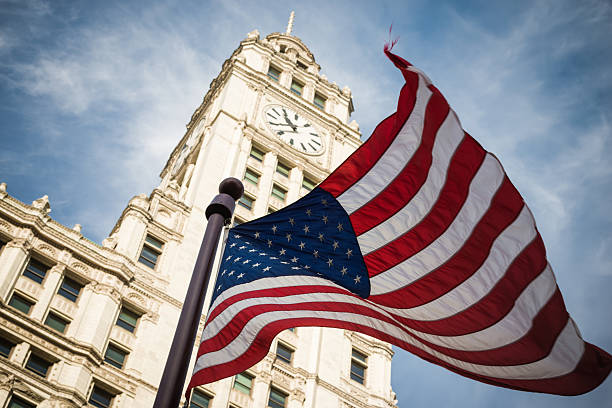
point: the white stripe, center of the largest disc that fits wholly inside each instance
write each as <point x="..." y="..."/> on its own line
<point x="483" y="187"/>
<point x="449" y="136"/>
<point x="510" y="328"/>
<point x="504" y="251"/>
<point x="393" y="160"/>
<point x="564" y="356"/>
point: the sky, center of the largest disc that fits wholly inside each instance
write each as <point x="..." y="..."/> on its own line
<point x="95" y="95"/>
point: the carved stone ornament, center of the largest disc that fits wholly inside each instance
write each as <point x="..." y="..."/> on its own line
<point x="57" y="402"/>
<point x="5" y="226"/>
<point x="42" y="204"/>
<point x="9" y="382"/>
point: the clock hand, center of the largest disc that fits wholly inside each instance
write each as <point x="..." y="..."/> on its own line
<point x="289" y="121"/>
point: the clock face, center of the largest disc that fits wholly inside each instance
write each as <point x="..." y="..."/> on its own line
<point x="294" y="130"/>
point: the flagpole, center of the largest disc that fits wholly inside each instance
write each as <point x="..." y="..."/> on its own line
<point x="173" y="379"/>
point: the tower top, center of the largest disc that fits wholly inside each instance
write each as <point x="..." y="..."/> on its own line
<point x="290" y="23"/>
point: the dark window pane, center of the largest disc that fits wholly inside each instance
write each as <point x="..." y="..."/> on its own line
<point x="246" y="202"/>
<point x="70" y="289"/>
<point x="279" y="192"/>
<point x="251" y="176"/>
<point x="319" y="101"/>
<point x="56" y="322"/>
<point x="17" y="402"/>
<point x="243" y="383"/>
<point x="199" y="400"/>
<point x="296" y="87"/>
<point x="127" y="319"/>
<point x="283" y="169"/>
<point x="273" y="73"/>
<point x="115" y="356"/>
<point x="359" y="356"/>
<point x="100" y="398"/>
<point x="35" y="271"/>
<point x="20" y="303"/>
<point x="148" y="256"/>
<point x="38" y="365"/>
<point x="257" y="154"/>
<point x="276" y="399"/>
<point x="284" y="353"/>
<point x="308" y="184"/>
<point x="6" y="346"/>
<point x="155" y="242"/>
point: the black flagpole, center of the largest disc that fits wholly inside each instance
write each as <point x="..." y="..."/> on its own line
<point x="173" y="378"/>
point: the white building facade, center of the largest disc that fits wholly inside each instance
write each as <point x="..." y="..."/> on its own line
<point x="86" y="324"/>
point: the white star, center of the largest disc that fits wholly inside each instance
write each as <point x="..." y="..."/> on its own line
<point x="325" y="219"/>
<point x="285" y="263"/>
<point x="255" y="264"/>
<point x="223" y="273"/>
<point x="288" y="236"/>
<point x="218" y="288"/>
<point x="343" y="270"/>
<point x="257" y="235"/>
<point x="295" y="267"/>
<point x="321" y="237"/>
<point x="252" y="250"/>
<point x="231" y="273"/>
<point x="266" y="269"/>
<point x="339" y="226"/>
<point x="308" y="212"/>
<point x="240" y="276"/>
<point x="237" y="259"/>
<point x="273" y="257"/>
<point x="274" y="228"/>
<point x="236" y="236"/>
<point x="294" y="259"/>
<point x="241" y="248"/>
<point x="228" y="258"/>
<point x="233" y="245"/>
<point x="306" y="266"/>
<point x="357" y="279"/>
<point x="349" y="252"/>
<point x="330" y="262"/>
<point x="324" y="201"/>
<point x="335" y="245"/>
<point x="291" y="221"/>
<point x="246" y="261"/>
<point x="315" y="253"/>
<point x="306" y="229"/>
<point x="282" y="251"/>
<point x="269" y="243"/>
<point x="302" y="245"/>
<point x="262" y="254"/>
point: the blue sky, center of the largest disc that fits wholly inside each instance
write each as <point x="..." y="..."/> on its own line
<point x="94" y="96"/>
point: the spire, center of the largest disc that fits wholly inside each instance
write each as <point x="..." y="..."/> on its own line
<point x="290" y="23"/>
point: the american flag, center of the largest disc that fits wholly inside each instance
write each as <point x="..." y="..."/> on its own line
<point x="419" y="239"/>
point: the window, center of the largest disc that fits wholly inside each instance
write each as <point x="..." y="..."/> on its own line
<point x="38" y="365"/>
<point x="271" y="210"/>
<point x="246" y="202"/>
<point x="301" y="65"/>
<point x="17" y="402"/>
<point x="284" y="353"/>
<point x="279" y="192"/>
<point x="359" y="364"/>
<point x="100" y="398"/>
<point x="319" y="100"/>
<point x="127" y="319"/>
<point x="115" y="356"/>
<point x="243" y="383"/>
<point x="237" y="221"/>
<point x="35" y="270"/>
<point x="251" y="176"/>
<point x="257" y="154"/>
<point x="56" y="322"/>
<point x="20" y="303"/>
<point x="70" y="289"/>
<point x="283" y="169"/>
<point x="296" y="87"/>
<point x="273" y="73"/>
<point x="151" y="250"/>
<point x="277" y="398"/>
<point x="308" y="184"/>
<point x="199" y="400"/>
<point x="6" y="346"/>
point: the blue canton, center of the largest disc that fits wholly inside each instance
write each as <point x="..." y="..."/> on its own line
<point x="311" y="237"/>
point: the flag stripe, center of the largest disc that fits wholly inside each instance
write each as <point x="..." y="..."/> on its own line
<point x="393" y="159"/>
<point x="435" y="143"/>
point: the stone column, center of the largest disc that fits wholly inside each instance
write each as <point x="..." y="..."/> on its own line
<point x="132" y="227"/>
<point x="243" y="156"/>
<point x="265" y="184"/>
<point x="12" y="261"/>
<point x="295" y="183"/>
<point x="101" y="303"/>
<point x="52" y="280"/>
<point x="261" y="388"/>
<point x="232" y="151"/>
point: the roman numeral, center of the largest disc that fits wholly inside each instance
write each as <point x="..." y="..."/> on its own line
<point x="314" y="141"/>
<point x="303" y="147"/>
<point x="280" y="132"/>
<point x="291" y="142"/>
<point x="313" y="148"/>
<point x="315" y="135"/>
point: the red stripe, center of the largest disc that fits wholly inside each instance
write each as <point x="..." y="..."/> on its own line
<point x="505" y="207"/>
<point x="411" y="178"/>
<point x="463" y="167"/>
<point x="494" y="305"/>
<point x="362" y="160"/>
<point x="592" y="369"/>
